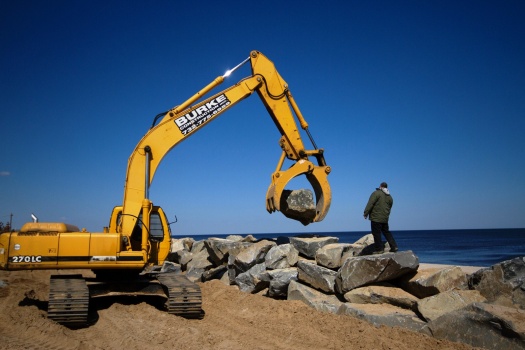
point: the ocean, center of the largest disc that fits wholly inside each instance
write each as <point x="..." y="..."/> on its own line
<point x="479" y="247"/>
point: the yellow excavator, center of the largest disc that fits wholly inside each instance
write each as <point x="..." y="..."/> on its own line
<point x="129" y="256"/>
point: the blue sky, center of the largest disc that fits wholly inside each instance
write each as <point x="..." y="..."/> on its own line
<point x="428" y="96"/>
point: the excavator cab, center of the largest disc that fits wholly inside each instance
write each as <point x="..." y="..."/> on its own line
<point x="155" y="230"/>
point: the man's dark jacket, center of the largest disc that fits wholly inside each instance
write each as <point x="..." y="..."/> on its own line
<point x="379" y="205"/>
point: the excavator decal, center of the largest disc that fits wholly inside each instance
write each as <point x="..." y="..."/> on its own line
<point x="199" y="116"/>
<point x="26" y="259"/>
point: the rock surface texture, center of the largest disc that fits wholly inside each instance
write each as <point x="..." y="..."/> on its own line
<point x="484" y="309"/>
<point x="503" y="283"/>
<point x="298" y="205"/>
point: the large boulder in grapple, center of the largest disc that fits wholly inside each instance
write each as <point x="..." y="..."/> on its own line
<point x="298" y="205"/>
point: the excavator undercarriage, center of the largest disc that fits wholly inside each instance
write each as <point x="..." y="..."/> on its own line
<point x="69" y="295"/>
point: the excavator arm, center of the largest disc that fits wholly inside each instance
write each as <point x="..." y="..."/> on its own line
<point x="184" y="120"/>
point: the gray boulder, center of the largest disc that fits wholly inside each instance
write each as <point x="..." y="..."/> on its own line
<point x="181" y="257"/>
<point x="383" y="315"/>
<point x="316" y="276"/>
<point x="366" y="240"/>
<point x="308" y="246"/>
<point x="214" y="273"/>
<point x="235" y="238"/>
<point x="249" y="239"/>
<point x="366" y="244"/>
<point x="360" y="271"/>
<point x="197" y="246"/>
<point x="184" y="257"/>
<point x="244" y="258"/>
<point x="313" y="298"/>
<point x="179" y="248"/>
<point x="279" y="281"/>
<point x="355" y="250"/>
<point x="298" y="205"/>
<point x="198" y="265"/>
<point x="254" y="280"/>
<point x="428" y="282"/>
<point x="482" y="325"/>
<point x="219" y="249"/>
<point x="281" y="257"/>
<point x="200" y="260"/>
<point x="438" y="305"/>
<point x="503" y="283"/>
<point x="181" y="244"/>
<point x="363" y="246"/>
<point x="168" y="266"/>
<point x="382" y="294"/>
<point x="239" y="238"/>
<point x="331" y="255"/>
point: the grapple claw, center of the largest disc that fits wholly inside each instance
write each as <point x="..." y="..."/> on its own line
<point x="316" y="175"/>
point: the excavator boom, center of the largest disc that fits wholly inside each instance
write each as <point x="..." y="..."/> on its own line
<point x="184" y="120"/>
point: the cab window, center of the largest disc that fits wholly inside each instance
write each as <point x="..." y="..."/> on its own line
<point x="156" y="231"/>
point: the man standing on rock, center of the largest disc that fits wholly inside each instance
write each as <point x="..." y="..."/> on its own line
<point x="378" y="210"/>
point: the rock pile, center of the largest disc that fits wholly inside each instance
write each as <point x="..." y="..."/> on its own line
<point x="485" y="309"/>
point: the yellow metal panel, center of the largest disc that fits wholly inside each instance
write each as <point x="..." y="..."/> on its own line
<point x="48" y="227"/>
<point x="34" y="245"/>
<point x="104" y="244"/>
<point x="74" y="245"/>
<point x="32" y="251"/>
<point x="4" y="253"/>
<point x="132" y="258"/>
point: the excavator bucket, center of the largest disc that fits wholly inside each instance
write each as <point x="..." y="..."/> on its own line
<point x="317" y="176"/>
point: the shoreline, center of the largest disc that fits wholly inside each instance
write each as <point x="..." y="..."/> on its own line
<point x="467" y="269"/>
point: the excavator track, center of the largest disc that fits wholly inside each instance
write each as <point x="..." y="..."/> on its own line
<point x="184" y="296"/>
<point x="68" y="300"/>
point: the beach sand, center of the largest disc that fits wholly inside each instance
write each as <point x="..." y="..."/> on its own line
<point x="467" y="269"/>
<point x="233" y="320"/>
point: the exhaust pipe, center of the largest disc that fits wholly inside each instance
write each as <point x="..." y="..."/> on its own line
<point x="33" y="216"/>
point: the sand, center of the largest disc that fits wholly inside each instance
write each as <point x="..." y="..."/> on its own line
<point x="466" y="269"/>
<point x="233" y="320"/>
